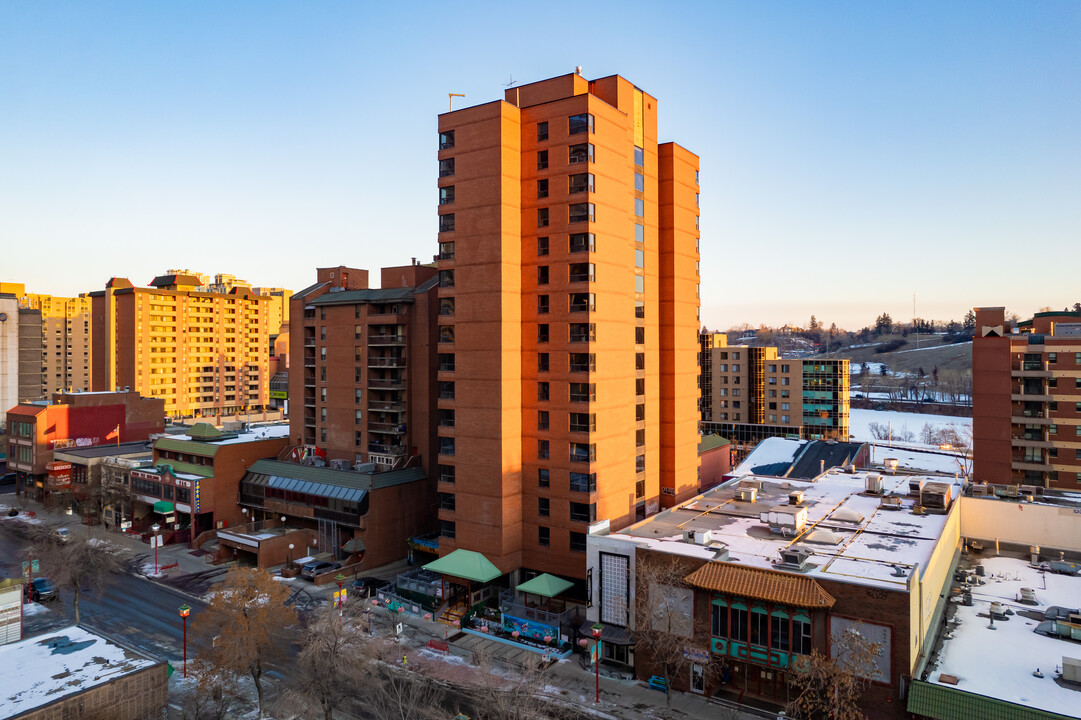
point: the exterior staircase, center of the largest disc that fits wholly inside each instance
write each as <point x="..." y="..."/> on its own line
<point x="454" y="613"/>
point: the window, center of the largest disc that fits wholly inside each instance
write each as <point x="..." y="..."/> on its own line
<point x="542" y="449"/>
<point x="640" y="412"/>
<point x="544" y="477"/>
<point x="323" y="373"/>
<point x="542" y="419"/>
<point x="583" y="302"/>
<point x="542" y="246"/>
<point x="542" y="217"/>
<point x="583" y="332"/>
<point x="446" y="501"/>
<point x="639" y="182"/>
<point x="586" y="362"/>
<point x="544" y="536"/>
<point x="639" y="438"/>
<point x="1052" y="358"/>
<point x="446" y="446"/>
<point x="582" y="212"/>
<point x="542" y="391"/>
<point x="582" y="242"/>
<point x="581" y="182"/>
<point x="801" y="635"/>
<point x="640" y="361"/>
<point x="583" y="392"/>
<point x="542" y="188"/>
<point x="583" y="512"/>
<point x="778" y="637"/>
<point x="446" y="390"/>
<point x="542" y="131"/>
<point x="579" y="124"/>
<point x="446" y="362"/>
<point x="640" y="387"/>
<point x="718" y="620"/>
<point x="738" y="629"/>
<point x="580" y="153"/>
<point x="543" y="507"/>
<point x="542" y="333"/>
<point x="640" y="233"/>
<point x="542" y="362"/>
<point x="542" y="275"/>
<point x="639" y="156"/>
<point x="446" y="140"/>
<point x="583" y="452"/>
<point x="578" y="542"/>
<point x="639" y="258"/>
<point x="639" y="336"/>
<point x="446" y="418"/>
<point x="323" y="354"/>
<point x="542" y="160"/>
<point x="582" y="272"/>
<point x="583" y="422"/>
<point x="583" y="482"/>
<point x="639" y="207"/>
<point x="323" y="414"/>
<point x="640" y="463"/>
<point x="446" y="278"/>
<point x="639" y="284"/>
<point x="446" y="195"/>
<point x="446" y="306"/>
<point x="446" y="167"/>
<point x="356" y="395"/>
<point x="446" y="528"/>
<point x="639" y="309"/>
<point x="446" y="333"/>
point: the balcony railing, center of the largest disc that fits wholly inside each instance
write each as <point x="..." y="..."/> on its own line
<point x="378" y="383"/>
<point x="385" y="449"/>
<point x="386" y="339"/>
<point x="394" y="362"/>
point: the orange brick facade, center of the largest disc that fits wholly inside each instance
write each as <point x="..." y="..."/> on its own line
<point x="568" y="268"/>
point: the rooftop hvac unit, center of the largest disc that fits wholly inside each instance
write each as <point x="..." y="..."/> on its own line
<point x="936" y="495"/>
<point x="873" y="484"/>
<point x="785" y="519"/>
<point x="795" y="558"/>
<point x="368" y="467"/>
<point x="1071" y="669"/>
<point x="748" y="495"/>
<point x="890" y="502"/>
<point x="698" y="537"/>
<point x="795" y="497"/>
<point x="339" y="464"/>
<point x="915" y="485"/>
<point x="752" y="483"/>
<point x="979" y="490"/>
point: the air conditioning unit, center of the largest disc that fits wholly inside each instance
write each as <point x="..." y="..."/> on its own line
<point x="698" y="537"/>
<point x="795" y="497"/>
<point x="874" y="485"/>
<point x="915" y="485"/>
<point x="748" y="495"/>
<point x="795" y="558"/>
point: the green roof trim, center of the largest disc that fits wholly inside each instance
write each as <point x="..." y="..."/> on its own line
<point x="192" y="447"/>
<point x="941" y="702"/>
<point x="547" y="585"/>
<point x="352" y="297"/>
<point x="712" y="442"/>
<point x="465" y="564"/>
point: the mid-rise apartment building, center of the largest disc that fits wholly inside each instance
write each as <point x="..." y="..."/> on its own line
<point x="750" y="393"/>
<point x="1026" y="399"/>
<point x="65" y="338"/>
<point x="568" y="289"/>
<point x="363" y="389"/>
<point x="202" y="353"/>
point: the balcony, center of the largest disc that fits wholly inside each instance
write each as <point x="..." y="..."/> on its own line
<point x="387" y="405"/>
<point x="1028" y="397"/>
<point x="386" y="362"/>
<point x="1030" y="369"/>
<point x="388" y="339"/>
<point x="384" y="427"/>
<point x="1031" y="442"/>
<point x="1030" y="465"/>
<point x="391" y="383"/>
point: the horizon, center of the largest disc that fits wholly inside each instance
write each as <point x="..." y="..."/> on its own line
<point x="902" y="154"/>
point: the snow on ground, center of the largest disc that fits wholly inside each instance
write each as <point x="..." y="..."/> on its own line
<point x="279" y="578"/>
<point x="34" y="609"/>
<point x="999" y="663"/>
<point x="151" y="571"/>
<point x="450" y="658"/>
<point x="901" y="422"/>
<point x="935" y="347"/>
<point x="874" y="368"/>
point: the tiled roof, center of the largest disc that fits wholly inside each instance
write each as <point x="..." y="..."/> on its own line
<point x="946" y="703"/>
<point x="712" y="442"/>
<point x="779" y="587"/>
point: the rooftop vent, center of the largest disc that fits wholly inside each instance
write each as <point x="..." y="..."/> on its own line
<point x="748" y="495"/>
<point x="873" y="484"/>
<point x="915" y="485"/>
<point x="795" y="497"/>
<point x="847" y="515"/>
<point x="795" y="558"/>
<point x="890" y="502"/>
<point x="368" y="467"/>
<point x="752" y="483"/>
<point x="899" y="571"/>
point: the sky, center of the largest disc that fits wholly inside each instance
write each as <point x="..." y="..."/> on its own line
<point x="855" y="156"/>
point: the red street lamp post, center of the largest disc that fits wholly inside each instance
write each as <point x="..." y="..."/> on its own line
<point x="341" y="581"/>
<point x="597" y="627"/>
<point x="185" y="610"/>
<point x="154" y="539"/>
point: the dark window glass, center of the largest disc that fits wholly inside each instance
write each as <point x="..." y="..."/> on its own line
<point x="542" y="449"/>
<point x="542" y="419"/>
<point x="580" y="153"/>
<point x="542" y="333"/>
<point x="583" y="362"/>
<point x="543" y="507"/>
<point x="583" y="482"/>
<point x="544" y="536"/>
<point x="446" y="528"/>
<point x="542" y="188"/>
<point x="583" y="392"/>
<point x="582" y="242"/>
<point x="583" y="452"/>
<point x="583" y="332"/>
<point x="580" y="182"/>
<point x="542" y="304"/>
<point x="578" y="542"/>
<point x="583" y="512"/>
<point x="543" y="477"/>
<point x="542" y="246"/>
<point x="542" y="362"/>
<point x="582" y="272"/>
<point x="446" y="223"/>
<point x="446" y="446"/>
<point x="759" y="627"/>
<point x="542" y="275"/>
<point x="778" y="638"/>
<point x="542" y="131"/>
<point x="542" y="217"/>
<point x="739" y="625"/>
<point x="580" y="124"/>
<point x="583" y="422"/>
<point x="446" y="278"/>
<point x="542" y="391"/>
<point x="583" y="302"/>
<point x="446" y="473"/>
<point x="446" y="361"/>
<point x="446" y="140"/>
<point x="446" y="195"/>
<point x="542" y="160"/>
<point x="718" y="621"/>
<point x="446" y="167"/>
<point x="582" y="212"/>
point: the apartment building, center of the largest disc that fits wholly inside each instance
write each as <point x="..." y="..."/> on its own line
<point x="65" y="341"/>
<point x="568" y="289"/>
<point x="202" y="353"/>
<point x="363" y="390"/>
<point x="9" y="350"/>
<point x="750" y="393"/>
<point x="1026" y="395"/>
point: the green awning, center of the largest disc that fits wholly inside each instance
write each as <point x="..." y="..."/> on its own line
<point x="164" y="507"/>
<point x="547" y="585"/>
<point x="356" y="545"/>
<point x="465" y="564"/>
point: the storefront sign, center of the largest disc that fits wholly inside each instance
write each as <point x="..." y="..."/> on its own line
<point x="279" y="395"/>
<point x="59" y="474"/>
<point x="195" y="502"/>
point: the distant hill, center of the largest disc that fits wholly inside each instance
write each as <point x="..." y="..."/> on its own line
<point x="908" y="357"/>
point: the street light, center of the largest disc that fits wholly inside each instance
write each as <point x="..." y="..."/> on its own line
<point x="289" y="560"/>
<point x="283" y="524"/>
<point x="155" y="528"/>
<point x="597" y="627"/>
<point x="185" y="610"/>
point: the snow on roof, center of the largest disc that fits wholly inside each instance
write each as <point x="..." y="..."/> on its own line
<point x="265" y="432"/>
<point x="61" y="663"/>
<point x="1000" y="663"/>
<point x="868" y="550"/>
<point x="931" y="461"/>
<point x="771" y="451"/>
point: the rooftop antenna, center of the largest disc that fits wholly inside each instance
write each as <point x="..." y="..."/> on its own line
<point x="510" y="81"/>
<point x="450" y="97"/>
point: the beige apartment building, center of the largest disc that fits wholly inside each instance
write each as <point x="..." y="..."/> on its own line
<point x="201" y="352"/>
<point x="65" y="341"/>
<point x="750" y="393"/>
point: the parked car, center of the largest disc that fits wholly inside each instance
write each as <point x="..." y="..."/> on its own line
<point x="62" y="534"/>
<point x="42" y="589"/>
<point x="318" y="567"/>
<point x="7" y="479"/>
<point x="369" y="586"/>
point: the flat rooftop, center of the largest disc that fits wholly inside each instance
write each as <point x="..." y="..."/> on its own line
<point x="851" y="537"/>
<point x="1000" y="663"/>
<point x="59" y="663"/>
<point x="262" y="432"/>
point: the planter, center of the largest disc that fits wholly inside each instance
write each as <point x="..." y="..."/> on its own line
<point x="290" y="572"/>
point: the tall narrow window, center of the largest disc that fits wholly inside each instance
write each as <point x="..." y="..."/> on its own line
<point x="542" y="188"/>
<point x="542" y="160"/>
<point x="446" y="195"/>
<point x="580" y="124"/>
<point x="446" y="140"/>
<point x="542" y="217"/>
<point x="542" y="131"/>
<point x="446" y="167"/>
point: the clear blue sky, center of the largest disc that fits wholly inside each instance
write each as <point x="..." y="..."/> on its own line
<point x="853" y="153"/>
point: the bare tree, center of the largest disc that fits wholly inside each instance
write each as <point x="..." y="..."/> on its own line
<point x="832" y="687"/>
<point x="210" y="695"/>
<point x="664" y="614"/>
<point x="397" y="693"/>
<point x="246" y="626"/>
<point x="517" y="694"/>
<point x="78" y="562"/>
